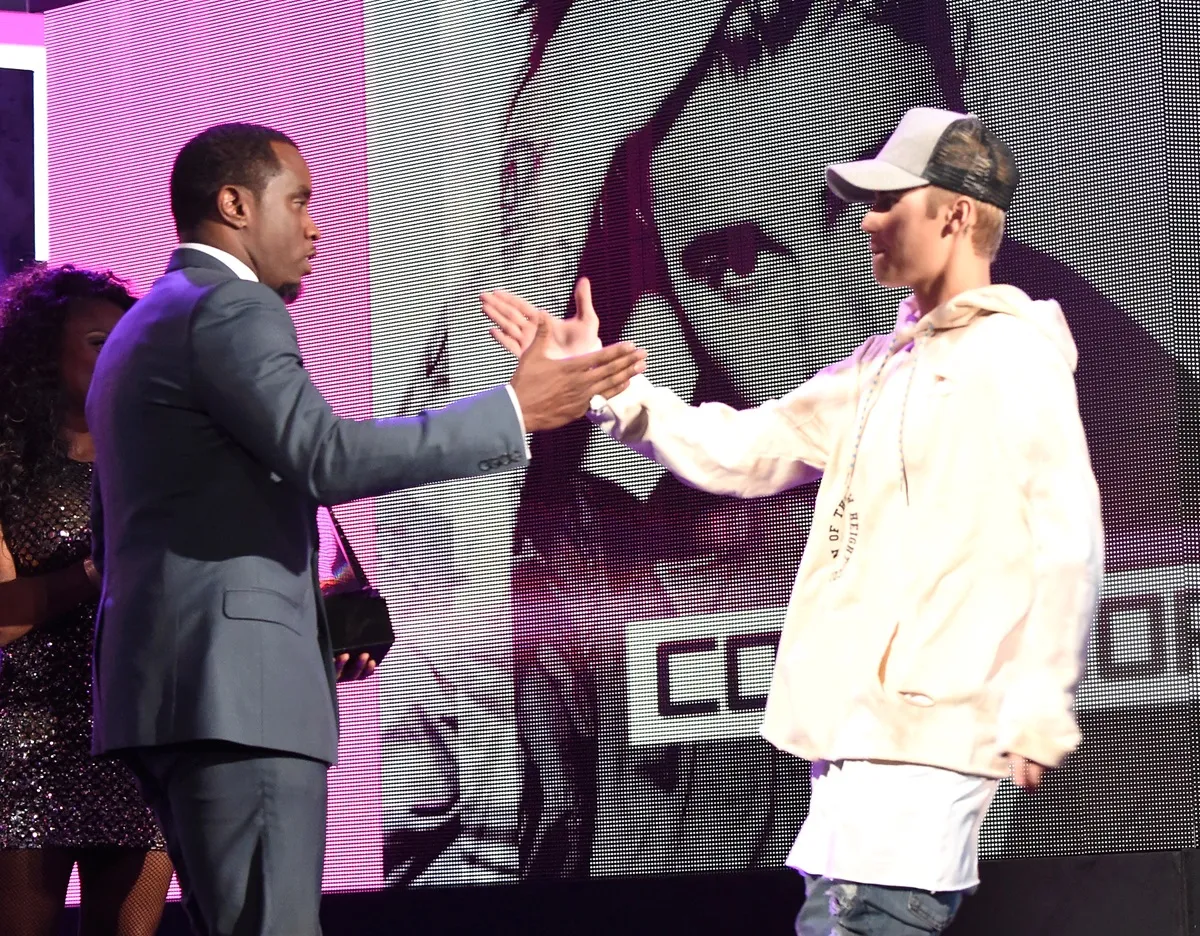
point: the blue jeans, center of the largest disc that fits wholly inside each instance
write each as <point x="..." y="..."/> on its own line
<point x="843" y="908"/>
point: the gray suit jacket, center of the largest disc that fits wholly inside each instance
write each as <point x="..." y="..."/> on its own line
<point x="213" y="450"/>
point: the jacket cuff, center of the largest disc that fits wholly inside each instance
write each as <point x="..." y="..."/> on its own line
<point x="512" y="395"/>
<point x="617" y="412"/>
<point x="1047" y="743"/>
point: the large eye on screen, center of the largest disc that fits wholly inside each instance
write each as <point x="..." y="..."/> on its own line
<point x="726" y="258"/>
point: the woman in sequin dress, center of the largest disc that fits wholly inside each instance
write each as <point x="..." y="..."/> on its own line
<point x="58" y="806"/>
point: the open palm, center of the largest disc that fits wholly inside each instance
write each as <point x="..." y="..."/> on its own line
<point x="515" y="321"/>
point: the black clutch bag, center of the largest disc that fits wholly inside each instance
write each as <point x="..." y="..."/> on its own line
<point x="358" y="615"/>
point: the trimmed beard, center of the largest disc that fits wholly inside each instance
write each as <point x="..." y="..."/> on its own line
<point x="289" y="292"/>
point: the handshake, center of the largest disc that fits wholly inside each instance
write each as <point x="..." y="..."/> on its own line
<point x="561" y="362"/>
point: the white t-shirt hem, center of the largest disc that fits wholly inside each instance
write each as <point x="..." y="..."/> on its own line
<point x="896" y="825"/>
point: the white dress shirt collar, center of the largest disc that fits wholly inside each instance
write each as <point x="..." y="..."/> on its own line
<point x="239" y="269"/>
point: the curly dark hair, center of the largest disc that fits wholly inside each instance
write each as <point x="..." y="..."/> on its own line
<point x="34" y="303"/>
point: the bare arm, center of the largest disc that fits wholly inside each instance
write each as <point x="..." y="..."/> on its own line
<point x="27" y="602"/>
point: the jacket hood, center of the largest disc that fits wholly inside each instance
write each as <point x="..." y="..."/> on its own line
<point x="1045" y="315"/>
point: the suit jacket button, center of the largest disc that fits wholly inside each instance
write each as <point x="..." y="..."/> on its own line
<point x="484" y="466"/>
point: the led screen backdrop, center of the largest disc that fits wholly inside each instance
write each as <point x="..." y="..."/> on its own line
<point x="583" y="648"/>
<point x="23" y="169"/>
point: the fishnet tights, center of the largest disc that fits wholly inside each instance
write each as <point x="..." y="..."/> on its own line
<point x="123" y="890"/>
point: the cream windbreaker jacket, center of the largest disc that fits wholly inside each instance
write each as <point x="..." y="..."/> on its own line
<point x="941" y="610"/>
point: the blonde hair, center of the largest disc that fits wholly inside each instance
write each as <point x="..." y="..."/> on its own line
<point x="987" y="231"/>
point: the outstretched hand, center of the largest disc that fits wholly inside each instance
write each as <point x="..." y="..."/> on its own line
<point x="561" y="364"/>
<point x="555" y="391"/>
<point x="515" y="322"/>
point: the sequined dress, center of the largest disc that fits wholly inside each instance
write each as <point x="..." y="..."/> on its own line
<point x="52" y="792"/>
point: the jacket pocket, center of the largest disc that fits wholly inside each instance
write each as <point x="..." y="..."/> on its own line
<point x="942" y="673"/>
<point x="261" y="604"/>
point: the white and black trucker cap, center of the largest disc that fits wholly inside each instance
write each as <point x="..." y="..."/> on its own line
<point x="933" y="147"/>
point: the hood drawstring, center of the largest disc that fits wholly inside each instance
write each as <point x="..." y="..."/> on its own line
<point x="1045" y="315"/>
<point x="912" y="373"/>
<point x="901" y="338"/>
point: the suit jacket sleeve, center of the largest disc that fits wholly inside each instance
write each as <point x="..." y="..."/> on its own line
<point x="247" y="373"/>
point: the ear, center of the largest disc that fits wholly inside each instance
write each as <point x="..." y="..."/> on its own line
<point x="960" y="215"/>
<point x="234" y="206"/>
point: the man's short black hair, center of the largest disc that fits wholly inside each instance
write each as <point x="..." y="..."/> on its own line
<point x="227" y="154"/>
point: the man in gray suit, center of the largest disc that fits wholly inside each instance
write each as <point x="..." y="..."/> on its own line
<point x="214" y="674"/>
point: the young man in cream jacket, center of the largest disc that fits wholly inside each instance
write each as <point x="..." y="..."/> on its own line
<point x="938" y="625"/>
